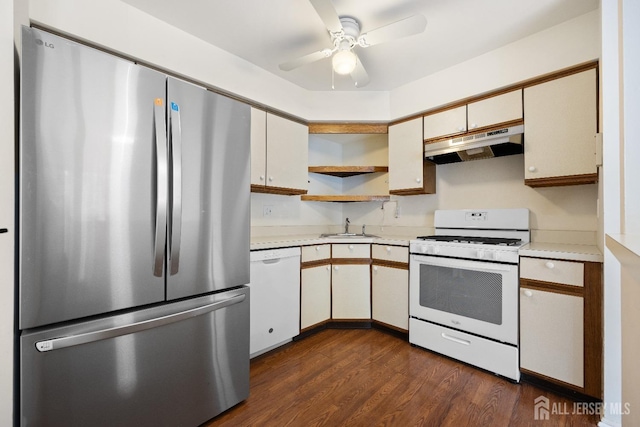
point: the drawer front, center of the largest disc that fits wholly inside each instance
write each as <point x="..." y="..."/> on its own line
<point x="356" y="250"/>
<point x="315" y="252"/>
<point x="547" y="270"/>
<point x="499" y="358"/>
<point x="390" y="253"/>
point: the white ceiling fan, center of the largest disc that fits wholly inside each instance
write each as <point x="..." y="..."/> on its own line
<point x="345" y="35"/>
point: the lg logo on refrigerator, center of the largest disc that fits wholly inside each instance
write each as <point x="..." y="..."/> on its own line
<point x="45" y="44"/>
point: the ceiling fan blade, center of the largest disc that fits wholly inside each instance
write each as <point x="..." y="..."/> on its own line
<point x="405" y="27"/>
<point x="328" y="14"/>
<point x="359" y="74"/>
<point x="307" y="59"/>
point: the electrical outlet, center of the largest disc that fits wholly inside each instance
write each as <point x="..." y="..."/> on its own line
<point x="267" y="210"/>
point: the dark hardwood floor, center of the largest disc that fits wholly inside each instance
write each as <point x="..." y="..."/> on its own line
<point x="366" y="377"/>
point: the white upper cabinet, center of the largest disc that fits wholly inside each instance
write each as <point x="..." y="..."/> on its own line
<point x="409" y="173"/>
<point x="496" y="110"/>
<point x="448" y="122"/>
<point x="560" y="130"/>
<point x="279" y="154"/>
<point x="488" y="112"/>
<point x="258" y="146"/>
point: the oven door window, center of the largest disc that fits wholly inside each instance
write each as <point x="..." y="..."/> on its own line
<point x="469" y="293"/>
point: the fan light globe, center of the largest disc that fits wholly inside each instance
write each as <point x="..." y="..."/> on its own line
<point x="344" y="62"/>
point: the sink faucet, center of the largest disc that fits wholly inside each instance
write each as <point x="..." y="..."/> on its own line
<point x="346" y="226"/>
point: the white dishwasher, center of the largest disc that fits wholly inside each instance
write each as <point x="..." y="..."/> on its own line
<point x="275" y="298"/>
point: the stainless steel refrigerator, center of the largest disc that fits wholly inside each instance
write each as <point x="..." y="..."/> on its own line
<point x="133" y="242"/>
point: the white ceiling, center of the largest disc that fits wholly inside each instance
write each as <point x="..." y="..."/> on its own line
<point x="269" y="32"/>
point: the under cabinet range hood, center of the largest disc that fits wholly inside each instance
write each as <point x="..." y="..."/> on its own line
<point x="481" y="145"/>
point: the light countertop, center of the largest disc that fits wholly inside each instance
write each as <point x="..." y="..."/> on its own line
<point x="562" y="251"/>
<point x="272" y="242"/>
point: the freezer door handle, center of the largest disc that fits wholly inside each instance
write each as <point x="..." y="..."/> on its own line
<point x="176" y="209"/>
<point x="161" y="186"/>
<point x="103" y="334"/>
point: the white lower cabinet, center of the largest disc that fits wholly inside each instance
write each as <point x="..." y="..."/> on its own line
<point x="315" y="295"/>
<point x="390" y="299"/>
<point x="552" y="335"/>
<point x="351" y="292"/>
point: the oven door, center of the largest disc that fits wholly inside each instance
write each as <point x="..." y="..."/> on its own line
<point x="471" y="296"/>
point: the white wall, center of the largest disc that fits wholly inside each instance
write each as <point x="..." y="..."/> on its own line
<point x="6" y="210"/>
<point x="567" y="44"/>
<point x="611" y="177"/>
<point x="492" y="183"/>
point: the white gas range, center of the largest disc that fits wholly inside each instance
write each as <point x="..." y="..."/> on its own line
<point x="463" y="287"/>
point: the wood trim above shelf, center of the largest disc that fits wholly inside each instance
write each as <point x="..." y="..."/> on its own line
<point x="346" y="171"/>
<point x="348" y="128"/>
<point x="344" y="198"/>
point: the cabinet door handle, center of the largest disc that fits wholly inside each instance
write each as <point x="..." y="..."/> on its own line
<point x="388" y="248"/>
<point x="375" y="268"/>
<point x="549" y="264"/>
<point x="473" y="125"/>
<point x="336" y="268"/>
<point x="532" y="168"/>
<point x="328" y="268"/>
<point x="261" y="177"/>
<point x="528" y="293"/>
<point x="418" y="180"/>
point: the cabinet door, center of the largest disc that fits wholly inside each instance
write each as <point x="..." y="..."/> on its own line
<point x="351" y="293"/>
<point x="315" y="298"/>
<point x="552" y="335"/>
<point x="449" y="122"/>
<point x="258" y="146"/>
<point x="406" y="155"/>
<point x="495" y="110"/>
<point x="390" y="299"/>
<point x="560" y="120"/>
<point x="287" y="153"/>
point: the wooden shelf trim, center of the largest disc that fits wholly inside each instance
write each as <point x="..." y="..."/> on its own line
<point x="348" y="128"/>
<point x="277" y="190"/>
<point x="343" y="198"/>
<point x="562" y="180"/>
<point x="346" y="171"/>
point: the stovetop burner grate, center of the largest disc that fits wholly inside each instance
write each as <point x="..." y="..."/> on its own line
<point x="473" y="240"/>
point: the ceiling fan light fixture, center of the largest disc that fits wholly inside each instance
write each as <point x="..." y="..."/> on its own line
<point x="344" y="62"/>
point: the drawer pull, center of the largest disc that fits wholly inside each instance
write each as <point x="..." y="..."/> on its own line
<point x="549" y="264"/>
<point x="317" y="248"/>
<point x="454" y="339"/>
<point x="351" y="247"/>
<point x="528" y="293"/>
<point x="375" y="268"/>
<point x="388" y="248"/>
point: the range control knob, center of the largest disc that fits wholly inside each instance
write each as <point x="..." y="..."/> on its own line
<point x="424" y="249"/>
<point x="480" y="254"/>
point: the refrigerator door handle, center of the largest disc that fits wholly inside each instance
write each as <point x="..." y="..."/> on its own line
<point x="161" y="186"/>
<point x="176" y="209"/>
<point x="89" y="337"/>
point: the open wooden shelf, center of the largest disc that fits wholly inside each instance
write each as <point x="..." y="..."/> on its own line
<point x="345" y="171"/>
<point x="344" y="198"/>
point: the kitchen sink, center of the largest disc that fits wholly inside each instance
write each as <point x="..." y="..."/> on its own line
<point x="347" y="235"/>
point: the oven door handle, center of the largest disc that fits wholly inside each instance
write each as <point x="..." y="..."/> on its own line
<point x="460" y="263"/>
<point x="454" y="339"/>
